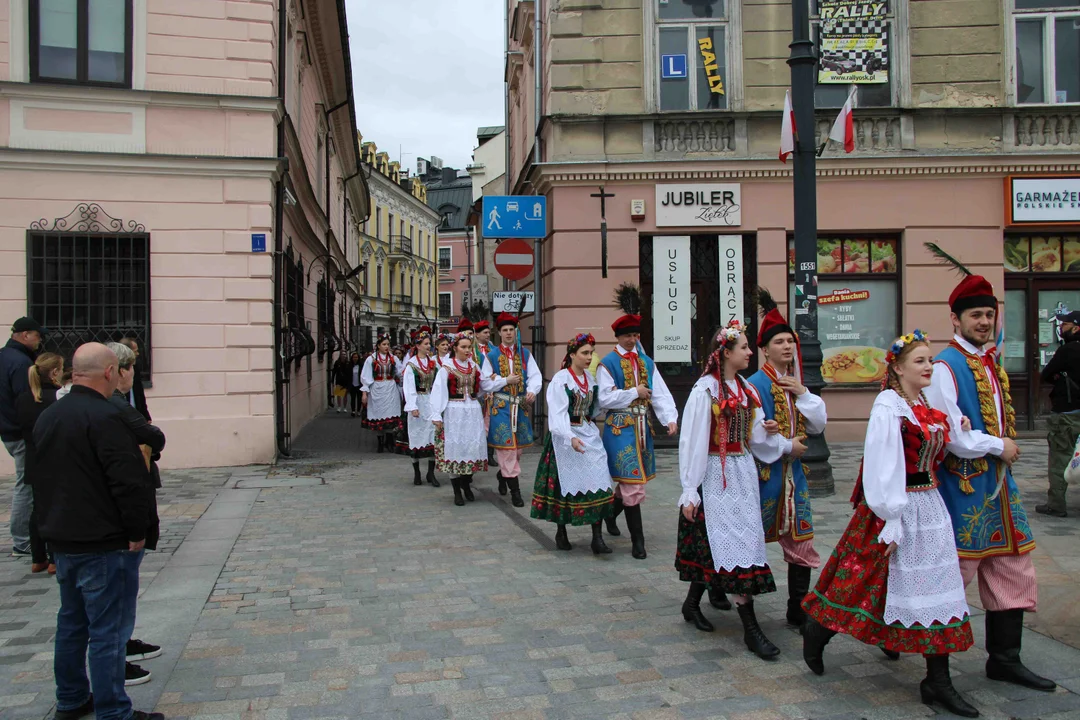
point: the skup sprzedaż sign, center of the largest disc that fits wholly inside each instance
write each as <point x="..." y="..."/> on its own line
<point x="671" y="299"/>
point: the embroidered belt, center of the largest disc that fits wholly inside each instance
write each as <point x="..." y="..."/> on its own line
<point x="515" y="403"/>
<point x="460" y="396"/>
<point x="731" y="448"/>
<point x="576" y="419"/>
<point x="920" y="481"/>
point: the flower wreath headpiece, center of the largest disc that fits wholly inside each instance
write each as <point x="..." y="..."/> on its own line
<point x="898" y="346"/>
<point x="731" y="333"/>
<point x="579" y="341"/>
<point x="421" y="337"/>
<point x="384" y="336"/>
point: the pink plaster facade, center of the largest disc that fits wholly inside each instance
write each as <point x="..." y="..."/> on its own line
<point x="450" y="281"/>
<point x="190" y="152"/>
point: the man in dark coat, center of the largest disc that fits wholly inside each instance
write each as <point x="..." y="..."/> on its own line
<point x="16" y="357"/>
<point x="96" y="500"/>
<point x="1062" y="374"/>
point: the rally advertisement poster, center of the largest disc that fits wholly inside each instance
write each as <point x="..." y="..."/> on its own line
<point x="854" y="42"/>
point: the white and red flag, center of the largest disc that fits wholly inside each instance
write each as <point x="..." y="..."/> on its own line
<point x="843" y="130"/>
<point x="787" y="130"/>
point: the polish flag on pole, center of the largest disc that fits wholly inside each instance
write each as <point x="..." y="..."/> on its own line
<point x="843" y="130"/>
<point x="787" y="130"/>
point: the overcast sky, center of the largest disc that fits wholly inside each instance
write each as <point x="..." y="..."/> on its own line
<point x="427" y="74"/>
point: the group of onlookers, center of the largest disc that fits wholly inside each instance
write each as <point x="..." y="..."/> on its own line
<point x="83" y="506"/>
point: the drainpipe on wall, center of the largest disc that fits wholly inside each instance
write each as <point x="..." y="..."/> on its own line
<point x="279" y="216"/>
<point x="539" y="337"/>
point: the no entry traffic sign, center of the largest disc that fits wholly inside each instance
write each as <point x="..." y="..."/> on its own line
<point x="514" y="259"/>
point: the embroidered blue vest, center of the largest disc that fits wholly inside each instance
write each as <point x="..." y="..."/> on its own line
<point x="501" y="432"/>
<point x="627" y="436"/>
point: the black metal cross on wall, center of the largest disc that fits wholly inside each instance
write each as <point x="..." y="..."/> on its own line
<point x="603" y="228"/>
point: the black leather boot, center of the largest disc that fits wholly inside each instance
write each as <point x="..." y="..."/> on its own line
<point x="432" y="480"/>
<point x="515" y="492"/>
<point x="637" y="535"/>
<point x="753" y="635"/>
<point x="798" y="577"/>
<point x="1004" y="629"/>
<point x="417" y="480"/>
<point x="815" y="637"/>
<point x="381" y="441"/>
<point x="456" y="482"/>
<point x="502" y="483"/>
<point x="616" y="510"/>
<point x="891" y="654"/>
<point x="938" y="688"/>
<point x="561" y="541"/>
<point x="691" y="607"/>
<point x="466" y="487"/>
<point x="719" y="599"/>
<point x="599" y="547"/>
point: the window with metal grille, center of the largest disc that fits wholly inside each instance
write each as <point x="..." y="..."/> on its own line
<point x="90" y="287"/>
<point x="446" y="301"/>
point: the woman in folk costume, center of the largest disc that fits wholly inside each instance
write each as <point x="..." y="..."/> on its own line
<point x="629" y="385"/>
<point x="442" y="347"/>
<point x="481" y="347"/>
<point x="460" y="444"/>
<point x="514" y="370"/>
<point x="721" y="542"/>
<point x="572" y="485"/>
<point x="417" y="380"/>
<point x="381" y="395"/>
<point x="791" y="410"/>
<point x="894" y="578"/>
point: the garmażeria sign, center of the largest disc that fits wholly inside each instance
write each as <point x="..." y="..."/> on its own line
<point x="698" y="205"/>
<point x="1042" y="200"/>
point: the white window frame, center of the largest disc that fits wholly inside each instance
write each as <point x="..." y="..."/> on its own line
<point x="450" y="257"/>
<point x="1049" y="34"/>
<point x="732" y="24"/>
<point x="438" y="308"/>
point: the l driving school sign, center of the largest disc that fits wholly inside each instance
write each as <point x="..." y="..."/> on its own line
<point x="698" y="205"/>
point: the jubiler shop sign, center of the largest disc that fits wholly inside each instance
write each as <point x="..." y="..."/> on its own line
<point x="698" y="205"/>
<point x="1042" y="200"/>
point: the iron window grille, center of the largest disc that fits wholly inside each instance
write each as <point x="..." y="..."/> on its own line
<point x="88" y="280"/>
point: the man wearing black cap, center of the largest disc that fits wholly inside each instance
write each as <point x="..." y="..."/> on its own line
<point x="1062" y="373"/>
<point x="16" y="357"/>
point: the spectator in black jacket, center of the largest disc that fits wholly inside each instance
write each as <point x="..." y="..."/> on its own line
<point x="15" y="360"/>
<point x="96" y="508"/>
<point x="1062" y="373"/>
<point x="136" y="395"/>
<point x="44" y="378"/>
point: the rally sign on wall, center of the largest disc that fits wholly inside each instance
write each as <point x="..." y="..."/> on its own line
<point x="854" y="42"/>
<point x="671" y="308"/>
<point x="731" y="279"/>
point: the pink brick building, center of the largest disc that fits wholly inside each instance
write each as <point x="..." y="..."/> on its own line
<point x="187" y="172"/>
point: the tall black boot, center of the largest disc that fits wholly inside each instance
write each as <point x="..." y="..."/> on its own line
<point x="381" y="441"/>
<point x="616" y="510"/>
<point x="466" y="487"/>
<point x="515" y="492"/>
<point x="753" y="635"/>
<point x="562" y="542"/>
<point x="502" y="483"/>
<point x="798" y="578"/>
<point x="815" y="637"/>
<point x="938" y="688"/>
<point x="1004" y="629"/>
<point x="416" y="473"/>
<point x="637" y="535"/>
<point x="691" y="607"/>
<point x="456" y="482"/>
<point x="432" y="480"/>
<point x="719" y="599"/>
<point x="599" y="547"/>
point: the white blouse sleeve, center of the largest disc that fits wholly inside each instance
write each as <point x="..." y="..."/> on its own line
<point x="812" y="407"/>
<point x="535" y="381"/>
<point x="367" y="377"/>
<point x="662" y="401"/>
<point x="440" y="396"/>
<point x="884" y="473"/>
<point x="558" y="404"/>
<point x="610" y="397"/>
<point x="694" y="444"/>
<point x="491" y="381"/>
<point x="971" y="444"/>
<point x="408" y="386"/>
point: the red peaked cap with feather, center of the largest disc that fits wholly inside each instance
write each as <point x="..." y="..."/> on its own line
<point x="482" y="325"/>
<point x="464" y="324"/>
<point x="505" y="319"/>
<point x="974" y="291"/>
<point x="627" y="299"/>
<point x="772" y="321"/>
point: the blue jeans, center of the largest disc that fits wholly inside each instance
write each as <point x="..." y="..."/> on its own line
<point x="22" y="499"/>
<point x="97" y="611"/>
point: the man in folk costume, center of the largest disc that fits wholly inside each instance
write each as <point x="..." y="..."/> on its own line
<point x="793" y="411"/>
<point x="629" y="384"/>
<point x="465" y="326"/>
<point x="510" y="429"/>
<point x="993" y="537"/>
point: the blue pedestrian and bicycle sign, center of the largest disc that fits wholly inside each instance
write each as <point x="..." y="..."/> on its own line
<point x="672" y="67"/>
<point x="515" y="216"/>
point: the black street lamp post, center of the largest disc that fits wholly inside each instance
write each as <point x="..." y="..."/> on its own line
<point x="803" y="62"/>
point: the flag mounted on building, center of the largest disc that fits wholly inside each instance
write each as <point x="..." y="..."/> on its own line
<point x="843" y="130"/>
<point x="787" y="130"/>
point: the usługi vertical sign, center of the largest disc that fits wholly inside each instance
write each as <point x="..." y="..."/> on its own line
<point x="671" y="299"/>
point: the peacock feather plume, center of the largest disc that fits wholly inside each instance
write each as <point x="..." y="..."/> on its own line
<point x="628" y="298"/>
<point x="946" y="259"/>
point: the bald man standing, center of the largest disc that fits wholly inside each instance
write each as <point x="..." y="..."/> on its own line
<point x="96" y="507"/>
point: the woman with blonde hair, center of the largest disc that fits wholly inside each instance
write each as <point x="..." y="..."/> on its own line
<point x="894" y="580"/>
<point x="45" y="377"/>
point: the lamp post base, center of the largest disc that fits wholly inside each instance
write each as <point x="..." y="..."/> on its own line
<point x="819" y="473"/>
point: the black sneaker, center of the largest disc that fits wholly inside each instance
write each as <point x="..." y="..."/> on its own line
<point x="135" y="675"/>
<point x="1052" y="511"/>
<point x="139" y="650"/>
<point x="16" y="552"/>
<point x="140" y="715"/>
<point x="87" y="708"/>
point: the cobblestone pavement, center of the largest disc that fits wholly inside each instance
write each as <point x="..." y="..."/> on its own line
<point x="350" y="593"/>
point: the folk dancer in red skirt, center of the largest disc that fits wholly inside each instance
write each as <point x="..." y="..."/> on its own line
<point x="894" y="578"/>
<point x="573" y="485"/>
<point x="419" y="376"/>
<point x="381" y="395"/>
<point x="460" y="442"/>
<point x="721" y="541"/>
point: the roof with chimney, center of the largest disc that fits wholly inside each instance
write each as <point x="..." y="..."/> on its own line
<point x="450" y="196"/>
